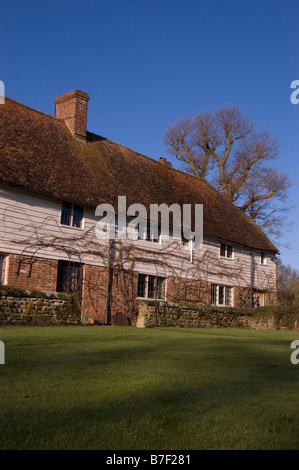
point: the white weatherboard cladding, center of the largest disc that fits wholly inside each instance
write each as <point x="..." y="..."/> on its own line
<point x="30" y="221"/>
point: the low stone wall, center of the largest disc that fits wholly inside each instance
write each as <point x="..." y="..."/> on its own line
<point x="22" y="309"/>
<point x="155" y="314"/>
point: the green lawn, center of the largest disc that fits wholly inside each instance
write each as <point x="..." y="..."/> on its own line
<point x="118" y="388"/>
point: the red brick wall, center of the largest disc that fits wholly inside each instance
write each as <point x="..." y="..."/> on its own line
<point x="94" y="292"/>
<point x="41" y="274"/>
<point x="188" y="290"/>
<point x="124" y="304"/>
<point x="29" y="273"/>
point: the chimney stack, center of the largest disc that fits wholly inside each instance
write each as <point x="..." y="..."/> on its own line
<point x="165" y="162"/>
<point x="72" y="108"/>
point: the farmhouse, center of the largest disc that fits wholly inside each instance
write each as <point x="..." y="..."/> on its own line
<point x="54" y="174"/>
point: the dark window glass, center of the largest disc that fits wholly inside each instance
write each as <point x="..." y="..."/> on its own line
<point x="160" y="288"/>
<point x="150" y="236"/>
<point x="222" y="249"/>
<point x="262" y="258"/>
<point x="226" y="250"/>
<point x="77" y="216"/>
<point x="66" y="214"/>
<point x="141" y="285"/>
<point x="69" y="276"/>
<point x="151" y="287"/>
<point x="229" y="251"/>
<point x="2" y="257"/>
<point x="214" y="294"/>
<point x="221" y="295"/>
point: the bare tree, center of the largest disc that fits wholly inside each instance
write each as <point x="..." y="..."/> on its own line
<point x="227" y="150"/>
<point x="287" y="284"/>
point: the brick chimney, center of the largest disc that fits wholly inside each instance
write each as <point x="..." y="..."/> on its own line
<point x="165" y="162"/>
<point x="72" y="108"/>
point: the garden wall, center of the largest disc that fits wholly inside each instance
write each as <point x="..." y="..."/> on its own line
<point x="153" y="314"/>
<point x="23" y="307"/>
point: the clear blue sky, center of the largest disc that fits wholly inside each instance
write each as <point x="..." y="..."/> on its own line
<point x="145" y="63"/>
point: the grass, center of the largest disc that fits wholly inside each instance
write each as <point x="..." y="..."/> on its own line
<point x="118" y="388"/>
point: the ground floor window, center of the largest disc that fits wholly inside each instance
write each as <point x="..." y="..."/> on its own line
<point x="69" y="276"/>
<point x="151" y="287"/>
<point x="259" y="299"/>
<point x="2" y="258"/>
<point x="221" y="295"/>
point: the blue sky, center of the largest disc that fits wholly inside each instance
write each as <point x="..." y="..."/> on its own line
<point x="147" y="63"/>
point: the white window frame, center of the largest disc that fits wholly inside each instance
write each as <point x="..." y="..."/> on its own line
<point x="224" y="287"/>
<point x="147" y="276"/>
<point x="70" y="225"/>
<point x="225" y="251"/>
<point x="148" y="236"/>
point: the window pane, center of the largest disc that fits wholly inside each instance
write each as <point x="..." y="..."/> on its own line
<point x="150" y="234"/>
<point x="221" y="295"/>
<point x="77" y="216"/>
<point x="66" y="214"/>
<point x="141" y="290"/>
<point x="69" y="277"/>
<point x="228" y="296"/>
<point x="159" y="234"/>
<point x="2" y="257"/>
<point x="214" y="294"/>
<point x="229" y="251"/>
<point x="151" y="287"/>
<point x="160" y="288"/>
<point x="222" y="249"/>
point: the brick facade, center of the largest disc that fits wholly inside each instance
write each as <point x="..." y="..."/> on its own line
<point x="31" y="273"/>
<point x="114" y="302"/>
<point x="188" y="290"/>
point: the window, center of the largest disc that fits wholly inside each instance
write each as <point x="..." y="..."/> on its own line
<point x="221" y="295"/>
<point x="69" y="276"/>
<point x="2" y="258"/>
<point x="71" y="215"/>
<point x="263" y="258"/>
<point x="151" y="287"/>
<point x="186" y="241"/>
<point x="148" y="235"/>
<point x="226" y="251"/>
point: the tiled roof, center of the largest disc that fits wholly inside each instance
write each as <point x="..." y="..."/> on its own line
<point x="38" y="153"/>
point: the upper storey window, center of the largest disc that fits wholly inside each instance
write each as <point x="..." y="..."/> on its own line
<point x="263" y="258"/>
<point x="226" y="251"/>
<point x="71" y="215"/>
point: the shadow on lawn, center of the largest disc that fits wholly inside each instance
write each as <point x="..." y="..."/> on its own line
<point x="177" y="395"/>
